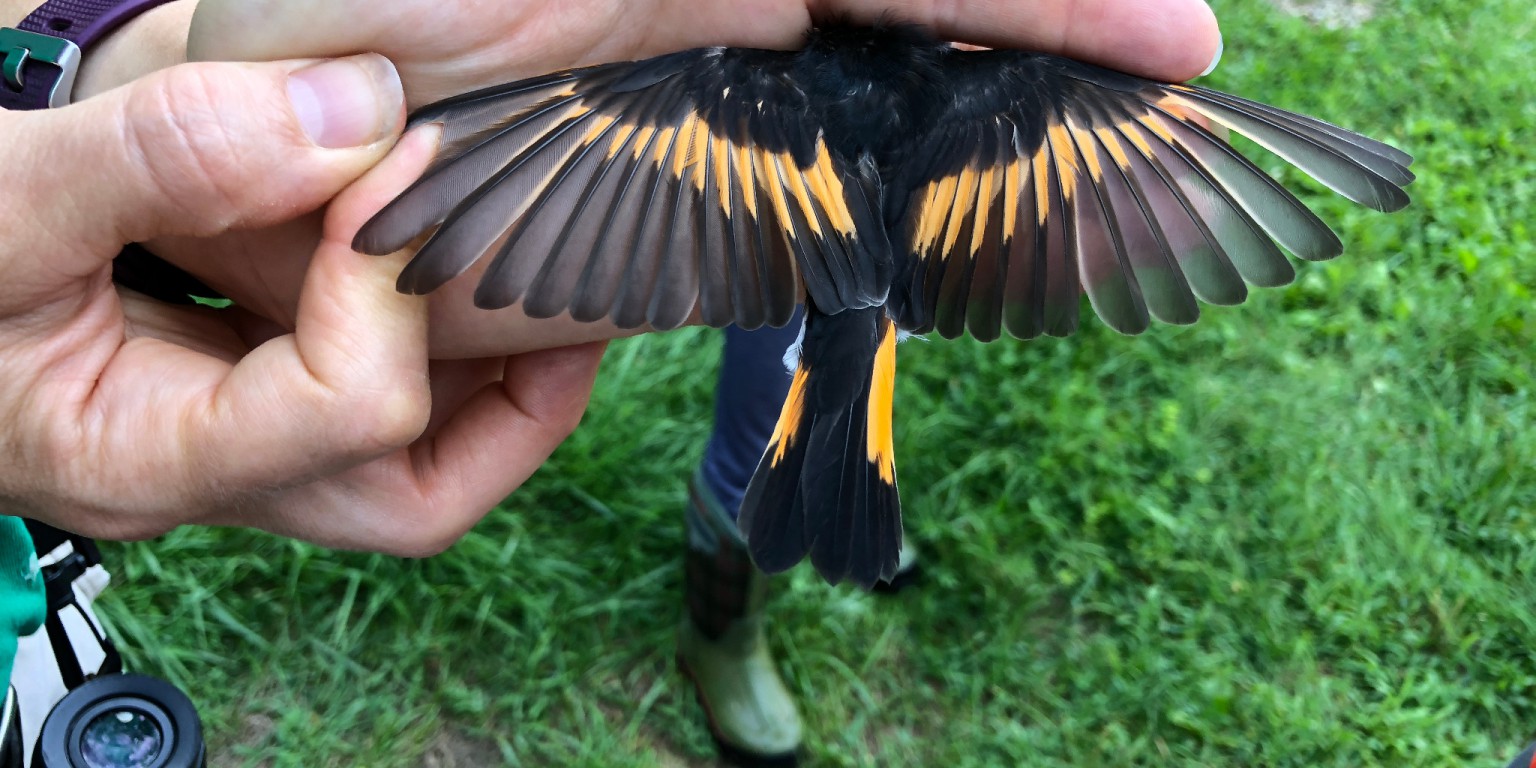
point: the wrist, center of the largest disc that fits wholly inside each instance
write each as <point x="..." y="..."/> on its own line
<point x="151" y="41"/>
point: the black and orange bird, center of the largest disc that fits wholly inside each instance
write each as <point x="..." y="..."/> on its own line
<point x="890" y="182"/>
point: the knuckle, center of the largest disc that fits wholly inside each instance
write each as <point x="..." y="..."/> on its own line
<point x="424" y="535"/>
<point x="558" y="412"/>
<point x="386" y="419"/>
<point x="562" y="423"/>
<point x="418" y="548"/>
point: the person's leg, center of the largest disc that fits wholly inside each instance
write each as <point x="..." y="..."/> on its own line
<point x="721" y="647"/>
<point x="752" y="388"/>
<point x="1526" y="758"/>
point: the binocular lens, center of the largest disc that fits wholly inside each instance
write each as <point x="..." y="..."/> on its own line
<point x="121" y="738"/>
<point x="122" y="721"/>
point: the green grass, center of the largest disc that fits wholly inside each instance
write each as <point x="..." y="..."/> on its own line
<point x="1296" y="534"/>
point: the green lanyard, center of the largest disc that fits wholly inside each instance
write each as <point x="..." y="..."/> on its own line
<point x="21" y="591"/>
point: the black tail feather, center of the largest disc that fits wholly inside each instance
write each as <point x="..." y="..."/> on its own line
<point x="826" y="486"/>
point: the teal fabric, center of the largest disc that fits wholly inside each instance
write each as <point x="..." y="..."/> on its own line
<point x="21" y="591"/>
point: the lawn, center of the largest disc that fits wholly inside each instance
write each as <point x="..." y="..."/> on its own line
<point x="1295" y="534"/>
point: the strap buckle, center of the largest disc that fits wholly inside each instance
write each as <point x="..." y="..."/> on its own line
<point x="20" y="48"/>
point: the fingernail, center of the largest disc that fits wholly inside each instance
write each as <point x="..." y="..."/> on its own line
<point x="347" y="102"/>
<point x="1221" y="45"/>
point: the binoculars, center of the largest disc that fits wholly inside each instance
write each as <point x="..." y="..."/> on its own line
<point x="122" y="721"/>
<point x="69" y="704"/>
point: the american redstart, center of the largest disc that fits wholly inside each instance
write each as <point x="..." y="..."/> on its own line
<point x="891" y="182"/>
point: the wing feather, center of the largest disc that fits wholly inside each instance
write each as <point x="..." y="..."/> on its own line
<point x="623" y="191"/>
<point x="653" y="222"/>
<point x="1199" y="253"/>
<point x="579" y="278"/>
<point x="1362" y="177"/>
<point x="1382" y="150"/>
<point x="479" y="156"/>
<point x="1167" y="292"/>
<point x="1272" y="206"/>
<point x="1062" y="287"/>
<point x="988" y="269"/>
<point x="1255" y="256"/>
<point x="1103" y="260"/>
<point x="552" y="287"/>
<point x="1108" y="185"/>
<point x="715" y="274"/>
<point x="483" y="216"/>
<point x="670" y="292"/>
<point x="647" y="192"/>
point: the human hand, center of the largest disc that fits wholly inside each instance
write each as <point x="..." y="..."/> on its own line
<point x="443" y="49"/>
<point x="126" y="417"/>
<point x="448" y="48"/>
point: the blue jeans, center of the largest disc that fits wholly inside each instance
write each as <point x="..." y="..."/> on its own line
<point x="753" y="384"/>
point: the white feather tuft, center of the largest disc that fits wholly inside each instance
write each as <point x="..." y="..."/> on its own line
<point x="792" y="354"/>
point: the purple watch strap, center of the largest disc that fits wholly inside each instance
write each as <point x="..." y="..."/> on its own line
<point x="82" y="22"/>
<point x="36" y="91"/>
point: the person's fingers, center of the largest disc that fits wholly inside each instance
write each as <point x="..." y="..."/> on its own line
<point x="417" y="502"/>
<point x="1164" y="39"/>
<point x="502" y="434"/>
<point x="1161" y="39"/>
<point x="132" y="437"/>
<point x="196" y="149"/>
<point x="350" y="383"/>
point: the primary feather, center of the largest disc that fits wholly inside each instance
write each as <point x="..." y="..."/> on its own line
<point x="877" y="173"/>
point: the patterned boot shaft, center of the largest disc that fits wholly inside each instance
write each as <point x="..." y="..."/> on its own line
<point x="723" y="586"/>
<point x="721" y="647"/>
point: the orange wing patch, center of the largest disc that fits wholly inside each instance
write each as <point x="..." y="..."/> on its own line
<point x="694" y="154"/>
<point x="956" y="210"/>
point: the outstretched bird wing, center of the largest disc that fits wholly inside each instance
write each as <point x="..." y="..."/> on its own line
<point x="700" y="182"/>
<point x="642" y="192"/>
<point x="1044" y="178"/>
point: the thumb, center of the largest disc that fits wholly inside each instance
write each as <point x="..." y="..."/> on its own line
<point x="202" y="148"/>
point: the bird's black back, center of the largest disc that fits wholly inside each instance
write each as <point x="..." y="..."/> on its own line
<point x="871" y="88"/>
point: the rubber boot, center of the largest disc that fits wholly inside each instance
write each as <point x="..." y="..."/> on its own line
<point x="721" y="645"/>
